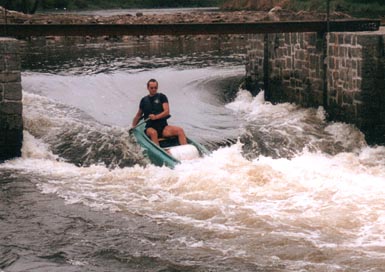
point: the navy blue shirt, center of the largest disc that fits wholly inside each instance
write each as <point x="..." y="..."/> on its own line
<point x="153" y="105"/>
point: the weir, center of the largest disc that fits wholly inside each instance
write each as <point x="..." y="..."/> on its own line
<point x="296" y="62"/>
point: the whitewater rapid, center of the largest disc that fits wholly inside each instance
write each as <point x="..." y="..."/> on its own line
<point x="292" y="191"/>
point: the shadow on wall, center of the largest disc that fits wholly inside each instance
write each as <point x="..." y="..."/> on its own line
<point x="373" y="91"/>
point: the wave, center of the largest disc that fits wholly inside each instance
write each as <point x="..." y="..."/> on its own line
<point x="285" y="130"/>
<point x="75" y="137"/>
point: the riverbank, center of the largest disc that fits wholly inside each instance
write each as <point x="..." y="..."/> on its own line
<point x="246" y="16"/>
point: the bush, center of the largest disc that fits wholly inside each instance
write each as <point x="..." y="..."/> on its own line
<point x="357" y="8"/>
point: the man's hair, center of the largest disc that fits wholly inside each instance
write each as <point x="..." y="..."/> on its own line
<point x="152" y="80"/>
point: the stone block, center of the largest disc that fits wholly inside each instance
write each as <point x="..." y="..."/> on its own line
<point x="9" y="45"/>
<point x="298" y="65"/>
<point x="289" y="63"/>
<point x="11" y="108"/>
<point x="332" y="38"/>
<point x="317" y="85"/>
<point x="339" y="63"/>
<point x="292" y="82"/>
<point x="347" y="97"/>
<point x="287" y="38"/>
<point x="301" y="40"/>
<point x="312" y="39"/>
<point x="286" y="74"/>
<point x="335" y="75"/>
<point x="11" y="122"/>
<point x="10" y="76"/>
<point x="2" y="64"/>
<point x="12" y="91"/>
<point x="358" y="83"/>
<point x="347" y="38"/>
<point x="348" y="63"/>
<point x="12" y="62"/>
<point x="340" y="39"/>
<point x="357" y="53"/>
<point x="368" y="40"/>
<point x="359" y="68"/>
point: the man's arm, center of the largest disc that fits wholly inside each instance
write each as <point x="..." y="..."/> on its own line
<point x="137" y="117"/>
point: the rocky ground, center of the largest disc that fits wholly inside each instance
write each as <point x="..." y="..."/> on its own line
<point x="276" y="14"/>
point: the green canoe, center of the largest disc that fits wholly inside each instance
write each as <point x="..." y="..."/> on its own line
<point x="169" y="153"/>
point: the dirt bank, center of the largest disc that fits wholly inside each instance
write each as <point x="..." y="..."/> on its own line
<point x="276" y="14"/>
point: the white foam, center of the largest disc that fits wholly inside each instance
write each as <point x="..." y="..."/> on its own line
<point x="36" y="149"/>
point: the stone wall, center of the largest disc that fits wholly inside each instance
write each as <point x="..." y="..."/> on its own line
<point x="346" y="77"/>
<point x="11" y="122"/>
<point x="356" y="85"/>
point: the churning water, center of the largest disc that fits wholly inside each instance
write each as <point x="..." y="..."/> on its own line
<point x="283" y="190"/>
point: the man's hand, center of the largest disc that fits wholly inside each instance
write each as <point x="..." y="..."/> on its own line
<point x="152" y="116"/>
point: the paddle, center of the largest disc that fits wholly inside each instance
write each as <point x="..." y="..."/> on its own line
<point x="138" y="124"/>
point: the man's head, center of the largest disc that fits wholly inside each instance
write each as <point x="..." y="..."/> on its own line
<point x="152" y="86"/>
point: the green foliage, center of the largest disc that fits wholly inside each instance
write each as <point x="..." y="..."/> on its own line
<point x="367" y="1"/>
<point x="26" y="6"/>
<point x="358" y="8"/>
<point x="82" y="4"/>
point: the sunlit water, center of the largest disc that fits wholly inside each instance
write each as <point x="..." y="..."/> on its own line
<point x="283" y="190"/>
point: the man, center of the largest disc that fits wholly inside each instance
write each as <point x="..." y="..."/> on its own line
<point x="155" y="108"/>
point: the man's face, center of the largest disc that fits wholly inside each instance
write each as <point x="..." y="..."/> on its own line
<point x="152" y="88"/>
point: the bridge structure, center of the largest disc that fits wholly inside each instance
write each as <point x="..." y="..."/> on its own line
<point x="320" y="26"/>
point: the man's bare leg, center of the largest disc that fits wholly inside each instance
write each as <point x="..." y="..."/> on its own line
<point x="153" y="134"/>
<point x="170" y="131"/>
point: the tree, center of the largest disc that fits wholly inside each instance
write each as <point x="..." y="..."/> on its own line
<point x="25" y="6"/>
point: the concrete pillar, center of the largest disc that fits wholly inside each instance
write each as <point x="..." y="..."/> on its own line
<point x="11" y="120"/>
